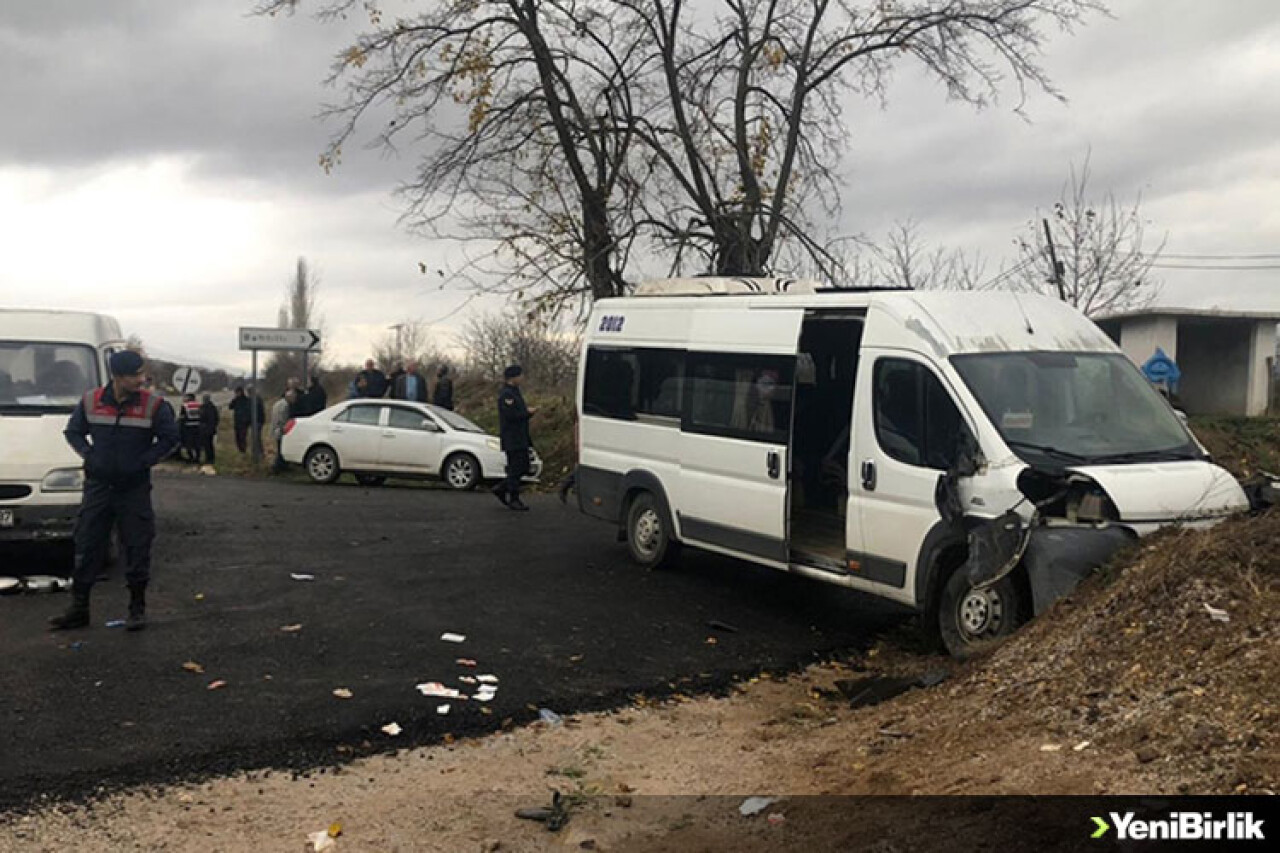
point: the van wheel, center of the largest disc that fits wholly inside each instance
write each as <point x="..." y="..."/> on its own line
<point x="461" y="471"/>
<point x="973" y="621"/>
<point x="648" y="538"/>
<point x="321" y="463"/>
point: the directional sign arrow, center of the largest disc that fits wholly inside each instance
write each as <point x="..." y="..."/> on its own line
<point x="279" y="339"/>
<point x="1102" y="825"/>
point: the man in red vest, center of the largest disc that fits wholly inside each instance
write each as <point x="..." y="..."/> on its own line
<point x="121" y="432"/>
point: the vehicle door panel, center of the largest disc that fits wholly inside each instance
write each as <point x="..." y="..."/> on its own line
<point x="356" y="435"/>
<point x="410" y="441"/>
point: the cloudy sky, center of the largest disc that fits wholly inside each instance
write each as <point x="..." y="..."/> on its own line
<point x="158" y="161"/>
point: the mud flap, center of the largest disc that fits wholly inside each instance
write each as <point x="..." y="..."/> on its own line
<point x="1058" y="558"/>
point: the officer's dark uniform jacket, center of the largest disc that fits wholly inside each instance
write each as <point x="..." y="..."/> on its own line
<point x="127" y="438"/>
<point x="513" y="420"/>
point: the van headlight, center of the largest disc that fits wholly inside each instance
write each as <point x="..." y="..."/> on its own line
<point x="493" y="444"/>
<point x="63" y="480"/>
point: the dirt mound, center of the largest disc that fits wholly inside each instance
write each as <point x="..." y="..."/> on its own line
<point x="1160" y="670"/>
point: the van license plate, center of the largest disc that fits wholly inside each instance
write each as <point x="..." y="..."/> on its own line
<point x="6" y="518"/>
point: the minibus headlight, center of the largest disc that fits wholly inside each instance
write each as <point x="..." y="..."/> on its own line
<point x="63" y="480"/>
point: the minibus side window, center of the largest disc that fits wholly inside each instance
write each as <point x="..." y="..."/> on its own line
<point x="916" y="420"/>
<point x="629" y="383"/>
<point x="740" y="396"/>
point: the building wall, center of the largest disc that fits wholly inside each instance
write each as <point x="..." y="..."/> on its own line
<point x="1217" y="360"/>
<point x="1263" y="350"/>
<point x="1140" y="336"/>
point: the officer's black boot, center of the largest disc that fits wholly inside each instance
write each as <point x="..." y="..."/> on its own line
<point x="77" y="615"/>
<point x="500" y="492"/>
<point x="137" y="608"/>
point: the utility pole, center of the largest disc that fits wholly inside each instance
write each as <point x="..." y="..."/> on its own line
<point x="399" y="327"/>
<point x="1053" y="259"/>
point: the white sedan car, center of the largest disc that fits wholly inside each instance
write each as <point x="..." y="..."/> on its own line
<point x="375" y="439"/>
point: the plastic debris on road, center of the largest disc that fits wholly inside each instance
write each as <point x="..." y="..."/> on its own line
<point x="442" y="709"/>
<point x="321" y="840"/>
<point x="116" y="623"/>
<point x="487" y="679"/>
<point x="466" y="679"/>
<point x="449" y="637"/>
<point x="301" y="577"/>
<point x="392" y="729"/>
<point x="291" y="629"/>
<point x="465" y="662"/>
<point x="10" y="585"/>
<point x="192" y="666"/>
<point x="777" y="819"/>
<point x="216" y="685"/>
<point x="550" y="717"/>
<point x="343" y="693"/>
<point x="752" y="806"/>
<point x="1216" y="614"/>
<point x="435" y="688"/>
<point x="485" y="693"/>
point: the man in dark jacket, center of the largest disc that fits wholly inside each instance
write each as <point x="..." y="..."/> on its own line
<point x="411" y="386"/>
<point x="208" y="428"/>
<point x="443" y="396"/>
<point x="314" y="398"/>
<point x="121" y="432"/>
<point x="513" y="430"/>
<point x="374" y="379"/>
<point x="241" y="417"/>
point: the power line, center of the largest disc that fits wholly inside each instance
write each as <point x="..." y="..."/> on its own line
<point x="1264" y="257"/>
<point x="1215" y="266"/>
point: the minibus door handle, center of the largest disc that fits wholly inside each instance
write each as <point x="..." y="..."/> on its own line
<point x="869" y="475"/>
<point x="774" y="464"/>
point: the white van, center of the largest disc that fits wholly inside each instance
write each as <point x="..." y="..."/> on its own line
<point x="969" y="455"/>
<point x="48" y="359"/>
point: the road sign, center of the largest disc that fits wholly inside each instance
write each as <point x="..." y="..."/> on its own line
<point x="186" y="380"/>
<point x="305" y="340"/>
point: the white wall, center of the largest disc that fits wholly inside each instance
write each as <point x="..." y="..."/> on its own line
<point x="1140" y="336"/>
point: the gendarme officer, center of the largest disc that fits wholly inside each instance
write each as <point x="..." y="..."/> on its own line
<point x="121" y="431"/>
<point x="513" y="430"/>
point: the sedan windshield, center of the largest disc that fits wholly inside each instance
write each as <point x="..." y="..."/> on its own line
<point x="1075" y="408"/>
<point x="45" y="376"/>
<point x="454" y="420"/>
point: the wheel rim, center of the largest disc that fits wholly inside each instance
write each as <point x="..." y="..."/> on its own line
<point x="459" y="473"/>
<point x="322" y="465"/>
<point x="981" y="612"/>
<point x="647" y="533"/>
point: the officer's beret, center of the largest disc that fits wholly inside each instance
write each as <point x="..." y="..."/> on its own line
<point x="125" y="363"/>
<point x="512" y="371"/>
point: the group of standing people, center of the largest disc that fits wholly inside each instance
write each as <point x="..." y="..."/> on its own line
<point x="405" y="382"/>
<point x="198" y="427"/>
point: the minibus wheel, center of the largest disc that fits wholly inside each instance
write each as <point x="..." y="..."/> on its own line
<point x="648" y="538"/>
<point x="972" y="620"/>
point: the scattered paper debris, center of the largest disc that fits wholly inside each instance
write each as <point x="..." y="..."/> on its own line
<point x="216" y="685"/>
<point x="465" y="662"/>
<point x="550" y="717"/>
<point x="192" y="666"/>
<point x="752" y="806"/>
<point x="442" y="709"/>
<point x="1215" y="614"/>
<point x="485" y="693"/>
<point x="435" y="688"/>
<point x="487" y="679"/>
<point x="116" y="623"/>
<point x="291" y="629"/>
<point x="453" y="638"/>
<point x="199" y="596"/>
<point x="343" y="693"/>
<point x="1051" y="747"/>
<point x="777" y="819"/>
<point x="321" y="841"/>
<point x="466" y="679"/>
<point x="301" y="577"/>
<point x="392" y="729"/>
<point x="712" y="641"/>
<point x="1081" y="746"/>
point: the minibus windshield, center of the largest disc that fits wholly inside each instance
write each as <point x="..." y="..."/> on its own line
<point x="39" y="376"/>
<point x="1062" y="408"/>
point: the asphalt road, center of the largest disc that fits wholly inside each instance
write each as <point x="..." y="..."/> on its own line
<point x="547" y="600"/>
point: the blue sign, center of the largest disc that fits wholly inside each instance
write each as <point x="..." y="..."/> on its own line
<point x="1162" y="370"/>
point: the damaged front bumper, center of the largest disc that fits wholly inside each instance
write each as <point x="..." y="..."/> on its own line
<point x="1057" y="558"/>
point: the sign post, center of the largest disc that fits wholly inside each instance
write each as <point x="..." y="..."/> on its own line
<point x="256" y="338"/>
<point x="186" y="380"/>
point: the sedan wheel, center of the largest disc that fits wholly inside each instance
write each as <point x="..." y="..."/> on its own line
<point x="461" y="471"/>
<point x="322" y="464"/>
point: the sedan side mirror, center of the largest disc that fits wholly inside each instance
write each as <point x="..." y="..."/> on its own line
<point x="430" y="425"/>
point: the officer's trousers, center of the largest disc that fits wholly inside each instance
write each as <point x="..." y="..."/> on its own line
<point x="517" y="467"/>
<point x="103" y="508"/>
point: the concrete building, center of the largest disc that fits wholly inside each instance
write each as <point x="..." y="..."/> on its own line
<point x="1225" y="356"/>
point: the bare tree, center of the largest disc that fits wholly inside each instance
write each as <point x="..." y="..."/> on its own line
<point x="408" y="339"/>
<point x="298" y="311"/>
<point x="565" y="134"/>
<point x="547" y="353"/>
<point x="904" y="259"/>
<point x="1099" y="247"/>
